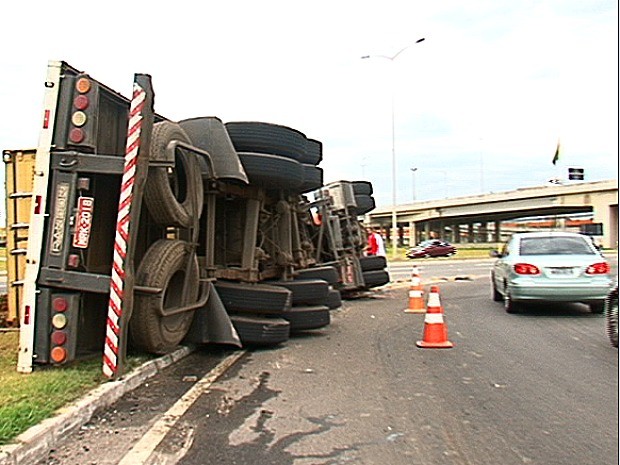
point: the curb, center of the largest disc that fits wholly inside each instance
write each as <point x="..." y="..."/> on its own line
<point x="33" y="444"/>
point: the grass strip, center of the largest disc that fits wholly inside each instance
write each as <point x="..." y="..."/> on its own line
<point x="27" y="399"/>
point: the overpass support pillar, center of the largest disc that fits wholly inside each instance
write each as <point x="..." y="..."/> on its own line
<point x="498" y="232"/>
<point x="470" y="233"/>
<point x="412" y="234"/>
<point x="483" y="232"/>
<point x="456" y="233"/>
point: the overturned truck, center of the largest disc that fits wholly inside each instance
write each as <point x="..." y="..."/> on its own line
<point x="148" y="232"/>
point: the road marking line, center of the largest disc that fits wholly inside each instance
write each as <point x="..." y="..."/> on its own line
<point x="142" y="450"/>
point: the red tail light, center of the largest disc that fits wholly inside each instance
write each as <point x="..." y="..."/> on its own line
<point x="63" y="328"/>
<point x="81" y="102"/>
<point x="60" y="304"/>
<point x="76" y="135"/>
<point x="526" y="268"/>
<point x="598" y="268"/>
<point x="59" y="338"/>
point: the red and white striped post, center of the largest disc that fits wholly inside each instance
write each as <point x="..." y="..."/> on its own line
<point x="134" y="174"/>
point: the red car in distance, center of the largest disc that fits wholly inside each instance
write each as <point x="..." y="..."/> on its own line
<point x="432" y="248"/>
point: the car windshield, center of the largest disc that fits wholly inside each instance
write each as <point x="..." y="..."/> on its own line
<point x="555" y="246"/>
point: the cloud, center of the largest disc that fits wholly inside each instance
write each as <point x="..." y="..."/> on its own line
<point x="484" y="98"/>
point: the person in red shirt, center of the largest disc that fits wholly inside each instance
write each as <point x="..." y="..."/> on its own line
<point x="375" y="243"/>
<point x="373" y="246"/>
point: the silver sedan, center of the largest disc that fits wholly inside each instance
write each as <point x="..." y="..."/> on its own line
<point x="550" y="267"/>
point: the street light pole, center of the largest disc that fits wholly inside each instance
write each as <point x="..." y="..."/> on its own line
<point x="413" y="170"/>
<point x="394" y="231"/>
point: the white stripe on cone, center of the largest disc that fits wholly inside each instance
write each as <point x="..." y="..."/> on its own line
<point x="433" y="300"/>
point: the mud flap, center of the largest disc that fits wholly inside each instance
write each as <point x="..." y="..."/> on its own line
<point x="212" y="324"/>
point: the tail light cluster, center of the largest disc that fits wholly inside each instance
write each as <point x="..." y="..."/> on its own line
<point x="83" y="121"/>
<point x="526" y="268"/>
<point x="63" y="328"/>
<point x="598" y="268"/>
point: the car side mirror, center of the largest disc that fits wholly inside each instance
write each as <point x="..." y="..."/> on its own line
<point x="495" y="254"/>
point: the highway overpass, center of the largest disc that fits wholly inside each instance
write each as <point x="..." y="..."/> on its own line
<point x="491" y="217"/>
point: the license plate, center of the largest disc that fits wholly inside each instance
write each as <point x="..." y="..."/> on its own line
<point x="83" y="222"/>
<point x="60" y="214"/>
<point x="561" y="271"/>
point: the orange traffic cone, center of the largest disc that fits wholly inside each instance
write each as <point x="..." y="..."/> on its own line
<point x="416" y="291"/>
<point x="435" y="330"/>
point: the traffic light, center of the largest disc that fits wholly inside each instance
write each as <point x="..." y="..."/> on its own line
<point x="575" y="174"/>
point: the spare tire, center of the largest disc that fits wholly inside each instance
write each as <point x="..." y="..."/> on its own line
<point x="170" y="194"/>
<point x="164" y="266"/>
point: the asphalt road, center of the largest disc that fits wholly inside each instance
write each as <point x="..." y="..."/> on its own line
<point x="539" y="387"/>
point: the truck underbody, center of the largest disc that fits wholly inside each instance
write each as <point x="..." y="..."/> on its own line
<point x="235" y="237"/>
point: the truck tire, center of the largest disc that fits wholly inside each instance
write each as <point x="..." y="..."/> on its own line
<point x="268" y="138"/>
<point x="326" y="273"/>
<point x="373" y="262"/>
<point x="310" y="317"/>
<point x="255" y="330"/>
<point x="365" y="203"/>
<point x="272" y="171"/>
<point x="314" y="152"/>
<point x="362" y="187"/>
<point x="313" y="178"/>
<point x="306" y="291"/>
<point x="164" y="266"/>
<point x="170" y="195"/>
<point x="375" y="278"/>
<point x="334" y="299"/>
<point x="254" y="298"/>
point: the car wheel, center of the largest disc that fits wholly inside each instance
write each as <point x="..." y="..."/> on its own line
<point x="497" y="296"/>
<point x="597" y="307"/>
<point x="509" y="305"/>
<point x="611" y="317"/>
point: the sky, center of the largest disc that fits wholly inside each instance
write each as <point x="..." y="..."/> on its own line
<point x="479" y="106"/>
